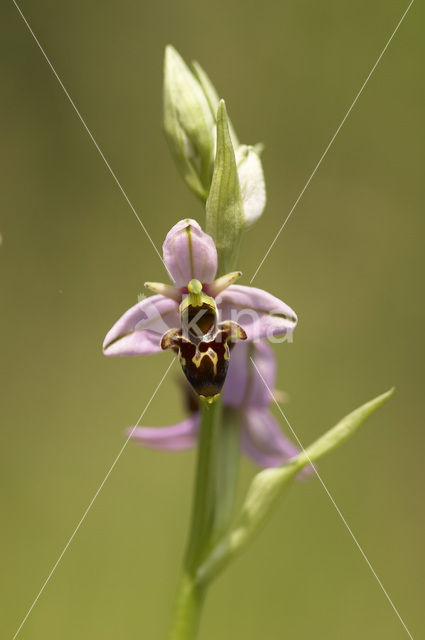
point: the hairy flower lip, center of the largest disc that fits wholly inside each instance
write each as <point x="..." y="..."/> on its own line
<point x="244" y="391"/>
<point x="205" y="361"/>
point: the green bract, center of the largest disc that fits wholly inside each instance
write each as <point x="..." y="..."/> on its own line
<point x="225" y="215"/>
<point x="268" y="485"/>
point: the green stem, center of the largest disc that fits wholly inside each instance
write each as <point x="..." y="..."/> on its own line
<point x="215" y="488"/>
<point x="227" y="472"/>
<point x="204" y="506"/>
<point x="187" y="609"/>
<point x="190" y="594"/>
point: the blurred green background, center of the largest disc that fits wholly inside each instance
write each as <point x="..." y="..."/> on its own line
<point x="73" y="258"/>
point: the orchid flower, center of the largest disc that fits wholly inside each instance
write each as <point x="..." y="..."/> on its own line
<point x="244" y="390"/>
<point x="199" y="317"/>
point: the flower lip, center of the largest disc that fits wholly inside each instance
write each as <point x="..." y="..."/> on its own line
<point x="205" y="362"/>
<point x="261" y="438"/>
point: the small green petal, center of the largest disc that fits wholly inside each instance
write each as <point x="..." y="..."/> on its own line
<point x="166" y="290"/>
<point x="222" y="283"/>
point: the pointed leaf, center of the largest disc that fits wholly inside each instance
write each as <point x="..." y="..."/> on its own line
<point x="268" y="485"/>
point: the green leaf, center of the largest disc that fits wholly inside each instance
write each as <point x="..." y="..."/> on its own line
<point x="343" y="430"/>
<point x="268" y="485"/>
<point x="225" y="216"/>
<point x="188" y="123"/>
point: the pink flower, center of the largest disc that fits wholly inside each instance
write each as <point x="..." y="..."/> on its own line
<point x="197" y="316"/>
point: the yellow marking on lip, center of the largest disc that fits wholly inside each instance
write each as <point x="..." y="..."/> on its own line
<point x="198" y="357"/>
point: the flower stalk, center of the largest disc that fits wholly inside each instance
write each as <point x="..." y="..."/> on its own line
<point x="215" y="488"/>
<point x="228" y="447"/>
<point x="205" y="499"/>
<point x="190" y="593"/>
<point x="187" y="608"/>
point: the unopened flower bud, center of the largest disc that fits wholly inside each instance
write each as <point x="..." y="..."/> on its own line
<point x="189" y="123"/>
<point x="251" y="182"/>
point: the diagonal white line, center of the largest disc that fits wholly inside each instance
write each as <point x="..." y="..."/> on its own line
<point x="83" y="517"/>
<point x="102" y="155"/>
<point x="347" y="526"/>
<point x="331" y="141"/>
